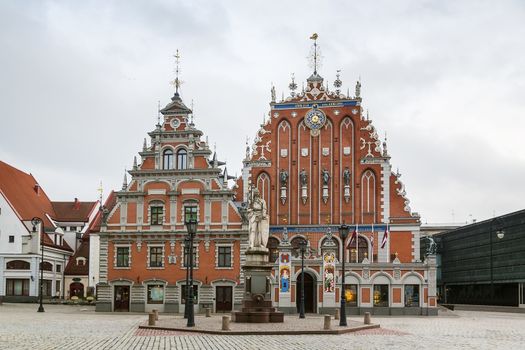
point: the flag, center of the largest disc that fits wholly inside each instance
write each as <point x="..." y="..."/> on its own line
<point x="354" y="236"/>
<point x="385" y="237"/>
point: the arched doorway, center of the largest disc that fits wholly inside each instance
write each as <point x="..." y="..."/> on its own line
<point x="76" y="289"/>
<point x="309" y="292"/>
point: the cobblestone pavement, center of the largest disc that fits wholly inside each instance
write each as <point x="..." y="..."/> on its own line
<point x="77" y="327"/>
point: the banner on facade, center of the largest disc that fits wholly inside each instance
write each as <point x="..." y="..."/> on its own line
<point x="285" y="268"/>
<point x="329" y="272"/>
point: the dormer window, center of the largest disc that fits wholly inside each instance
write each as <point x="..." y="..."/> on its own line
<point x="81" y="261"/>
<point x="182" y="159"/>
<point x="167" y="159"/>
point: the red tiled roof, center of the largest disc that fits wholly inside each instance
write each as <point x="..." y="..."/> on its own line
<point x="73" y="211"/>
<point x="72" y="268"/>
<point x="48" y="242"/>
<point x="24" y="194"/>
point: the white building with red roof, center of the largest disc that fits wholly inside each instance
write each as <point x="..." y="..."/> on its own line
<point x="29" y="224"/>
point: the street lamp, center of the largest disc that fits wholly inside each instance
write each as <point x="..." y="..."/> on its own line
<point x="35" y="221"/>
<point x="302" y="248"/>
<point x="191" y="225"/>
<point x="186" y="262"/>
<point x="343" y="233"/>
<point x="500" y="233"/>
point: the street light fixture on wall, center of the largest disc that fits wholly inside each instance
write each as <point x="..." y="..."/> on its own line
<point x="343" y="234"/>
<point x="191" y="225"/>
<point x="302" y="248"/>
<point x="35" y="221"/>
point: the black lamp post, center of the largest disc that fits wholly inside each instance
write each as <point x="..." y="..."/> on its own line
<point x="343" y="233"/>
<point x="302" y="248"/>
<point x="187" y="263"/>
<point x="500" y="233"/>
<point x="191" y="225"/>
<point x="35" y="221"/>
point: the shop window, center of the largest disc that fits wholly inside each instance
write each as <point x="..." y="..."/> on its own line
<point x="16" y="287"/>
<point x="122" y="256"/>
<point x="381" y="295"/>
<point x="351" y="294"/>
<point x="155" y="294"/>
<point x="155" y="257"/>
<point x="195" y="294"/>
<point x="18" y="265"/>
<point x="47" y="284"/>
<point x="225" y="256"/>
<point x="412" y="295"/>
<point x="57" y="288"/>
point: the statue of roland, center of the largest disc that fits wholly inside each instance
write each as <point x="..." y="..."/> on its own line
<point x="258" y="224"/>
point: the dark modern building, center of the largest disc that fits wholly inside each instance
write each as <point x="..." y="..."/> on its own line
<point x="483" y="263"/>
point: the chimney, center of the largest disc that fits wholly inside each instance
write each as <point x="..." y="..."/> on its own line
<point x="76" y="205"/>
<point x="37" y="189"/>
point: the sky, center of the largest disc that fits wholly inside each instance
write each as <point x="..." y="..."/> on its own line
<point x="80" y="82"/>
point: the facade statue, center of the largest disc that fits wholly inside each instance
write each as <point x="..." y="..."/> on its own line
<point x="283" y="176"/>
<point x="303" y="177"/>
<point x="346" y="177"/>
<point x="258" y="221"/>
<point x="326" y="177"/>
<point x="431" y="247"/>
<point x="273" y="93"/>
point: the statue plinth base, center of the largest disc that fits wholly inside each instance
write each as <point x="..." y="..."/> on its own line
<point x="257" y="304"/>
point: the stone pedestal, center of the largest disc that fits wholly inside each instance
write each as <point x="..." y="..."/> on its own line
<point x="257" y="304"/>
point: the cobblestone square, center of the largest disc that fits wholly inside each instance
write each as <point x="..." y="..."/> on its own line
<point x="79" y="327"/>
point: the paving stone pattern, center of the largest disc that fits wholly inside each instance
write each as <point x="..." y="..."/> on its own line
<point x="77" y="327"/>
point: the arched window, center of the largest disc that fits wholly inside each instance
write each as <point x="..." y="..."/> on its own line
<point x="46" y="266"/>
<point x="18" y="265"/>
<point x="182" y="159"/>
<point x="358" y="250"/>
<point x="273" y="247"/>
<point x="368" y="196"/>
<point x="295" y="242"/>
<point x="167" y="159"/>
<point x="336" y="244"/>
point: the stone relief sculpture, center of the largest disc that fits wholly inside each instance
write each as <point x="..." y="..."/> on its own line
<point x="346" y="177"/>
<point x="432" y="246"/>
<point x="258" y="223"/>
<point x="303" y="177"/>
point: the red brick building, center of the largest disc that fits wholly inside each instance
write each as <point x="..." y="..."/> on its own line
<point x="141" y="238"/>
<point x="318" y="162"/>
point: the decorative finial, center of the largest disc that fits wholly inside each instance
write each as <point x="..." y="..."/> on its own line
<point x="191" y="116"/>
<point x="292" y="85"/>
<point x="348" y="92"/>
<point x="367" y="115"/>
<point x="144" y="145"/>
<point x="177" y="81"/>
<point x="247" y="149"/>
<point x="282" y="97"/>
<point x="135" y="166"/>
<point x="315" y="54"/>
<point x="272" y="91"/>
<point x="385" y="151"/>
<point x="100" y="191"/>
<point x="158" y="112"/>
<point x="125" y="182"/>
<point x="338" y="83"/>
<point x="358" y="89"/>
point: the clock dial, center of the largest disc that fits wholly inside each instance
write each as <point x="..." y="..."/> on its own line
<point x="315" y="119"/>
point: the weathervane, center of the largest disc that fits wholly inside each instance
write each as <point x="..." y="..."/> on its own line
<point x="177" y="81"/>
<point x="315" y="55"/>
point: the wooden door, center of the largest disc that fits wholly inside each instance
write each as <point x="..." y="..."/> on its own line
<point x="121" y="298"/>
<point x="223" y="298"/>
<point x="309" y="293"/>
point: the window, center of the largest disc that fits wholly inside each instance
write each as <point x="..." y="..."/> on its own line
<point x="187" y="256"/>
<point x="412" y="295"/>
<point x="16" y="287"/>
<point x="184" y="292"/>
<point x="167" y="159"/>
<point x="155" y="257"/>
<point x="156" y="215"/>
<point x="225" y="256"/>
<point x="295" y="246"/>
<point x="273" y="247"/>
<point x="182" y="159"/>
<point x="358" y="251"/>
<point x="381" y="295"/>
<point x="57" y="288"/>
<point x="11" y="239"/>
<point x="351" y="294"/>
<point x="122" y="256"/>
<point x="46" y="287"/>
<point x="46" y="266"/>
<point x="18" y="265"/>
<point x="155" y="294"/>
<point x="336" y="242"/>
<point x="58" y="268"/>
<point x="190" y="213"/>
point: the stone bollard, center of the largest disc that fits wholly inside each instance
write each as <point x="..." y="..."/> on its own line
<point x="225" y="323"/>
<point x="151" y="319"/>
<point x="327" y="322"/>
<point x="156" y="312"/>
<point x="336" y="317"/>
<point x="208" y="312"/>
<point x="367" y="318"/>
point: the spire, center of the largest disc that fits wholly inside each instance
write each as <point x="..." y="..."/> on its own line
<point x="177" y="82"/>
<point x="358" y="89"/>
<point x="125" y="182"/>
<point x="135" y="167"/>
<point x="338" y="83"/>
<point x="314" y="38"/>
<point x="292" y="85"/>
<point x="315" y="60"/>
<point x="247" y="149"/>
<point x="191" y="116"/>
<point x="144" y="145"/>
<point x="100" y="191"/>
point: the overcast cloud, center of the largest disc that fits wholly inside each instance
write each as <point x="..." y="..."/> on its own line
<point x="80" y="81"/>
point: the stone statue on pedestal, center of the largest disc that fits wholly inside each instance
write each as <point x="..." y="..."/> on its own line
<point x="258" y="223"/>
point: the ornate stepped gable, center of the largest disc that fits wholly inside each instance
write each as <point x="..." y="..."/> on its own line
<point x="317" y="132"/>
<point x="176" y="167"/>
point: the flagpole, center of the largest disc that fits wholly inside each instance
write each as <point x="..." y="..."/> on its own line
<point x="372" y="240"/>
<point x="357" y="243"/>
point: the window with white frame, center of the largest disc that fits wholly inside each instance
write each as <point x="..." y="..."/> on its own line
<point x="122" y="256"/>
<point x="224" y="255"/>
<point x="156" y="256"/>
<point x="186" y="255"/>
<point x="182" y="159"/>
<point x="156" y="213"/>
<point x="167" y="159"/>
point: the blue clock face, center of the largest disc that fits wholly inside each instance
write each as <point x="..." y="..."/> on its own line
<point x="315" y="119"/>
